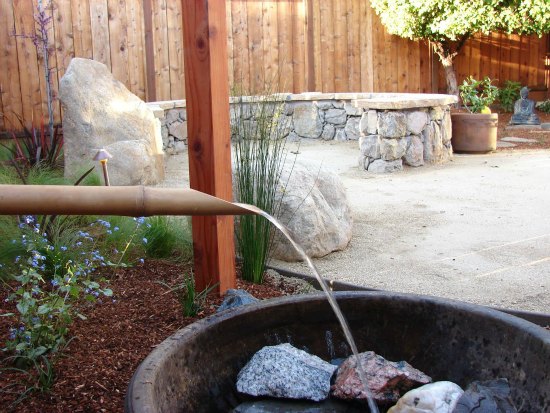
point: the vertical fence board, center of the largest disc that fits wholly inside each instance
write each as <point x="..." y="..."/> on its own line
<point x="298" y="47"/>
<point x="413" y="74"/>
<point x="10" y="89"/>
<point x="241" y="61"/>
<point x="64" y="48"/>
<point x="230" y="48"/>
<point x="255" y="46"/>
<point x="27" y="60"/>
<point x="270" y="43"/>
<point x="315" y="20"/>
<point x="504" y="74"/>
<point x="99" y="13"/>
<point x="426" y="69"/>
<point x="379" y="52"/>
<point x="475" y="56"/>
<point x="403" y="66"/>
<point x="136" y="49"/>
<point x="175" y="49"/>
<point x="82" y="29"/>
<point x="326" y="65"/>
<point x="514" y="57"/>
<point x="354" y="50"/>
<point x="341" y="80"/>
<point x="366" y="44"/>
<point x="485" y="54"/>
<point x="161" y="50"/>
<point x="285" y="39"/>
<point x="118" y="40"/>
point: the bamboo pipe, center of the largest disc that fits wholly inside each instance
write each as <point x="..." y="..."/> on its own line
<point x="135" y="201"/>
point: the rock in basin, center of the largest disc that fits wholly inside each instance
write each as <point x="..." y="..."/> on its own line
<point x="387" y="380"/>
<point x="196" y="368"/>
<point x="286" y="372"/>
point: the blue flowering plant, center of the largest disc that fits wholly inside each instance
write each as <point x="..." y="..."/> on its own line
<point x="47" y="287"/>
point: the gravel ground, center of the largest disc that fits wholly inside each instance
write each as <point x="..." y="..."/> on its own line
<point x="475" y="229"/>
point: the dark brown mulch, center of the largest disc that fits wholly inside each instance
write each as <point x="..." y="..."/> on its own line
<point x="542" y="137"/>
<point x="118" y="334"/>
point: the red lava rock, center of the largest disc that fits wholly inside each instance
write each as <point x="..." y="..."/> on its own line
<point x="387" y="380"/>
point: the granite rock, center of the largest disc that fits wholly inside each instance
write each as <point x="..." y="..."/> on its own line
<point x="284" y="371"/>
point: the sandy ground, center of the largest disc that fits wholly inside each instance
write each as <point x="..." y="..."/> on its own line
<point x="476" y="229"/>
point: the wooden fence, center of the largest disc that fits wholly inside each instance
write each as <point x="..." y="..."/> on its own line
<point x="296" y="45"/>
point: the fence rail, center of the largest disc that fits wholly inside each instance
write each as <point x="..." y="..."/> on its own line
<point x="299" y="45"/>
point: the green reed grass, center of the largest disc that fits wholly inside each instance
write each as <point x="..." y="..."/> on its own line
<point x="259" y="133"/>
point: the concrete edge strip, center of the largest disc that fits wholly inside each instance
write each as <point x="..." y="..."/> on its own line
<point x="540" y="319"/>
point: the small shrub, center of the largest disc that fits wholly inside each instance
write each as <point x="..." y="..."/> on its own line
<point x="477" y="95"/>
<point x="544" y="106"/>
<point x="508" y="94"/>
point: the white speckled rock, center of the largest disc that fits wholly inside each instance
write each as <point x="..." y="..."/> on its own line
<point x="438" y="397"/>
<point x="285" y="371"/>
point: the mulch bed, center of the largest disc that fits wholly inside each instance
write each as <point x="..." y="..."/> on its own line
<point x="542" y="137"/>
<point x="119" y="333"/>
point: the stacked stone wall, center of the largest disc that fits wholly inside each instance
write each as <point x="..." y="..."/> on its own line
<point x="389" y="135"/>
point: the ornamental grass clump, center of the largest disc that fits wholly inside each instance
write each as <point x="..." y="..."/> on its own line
<point x="259" y="132"/>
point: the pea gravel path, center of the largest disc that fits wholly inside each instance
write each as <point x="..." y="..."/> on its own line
<point x="475" y="229"/>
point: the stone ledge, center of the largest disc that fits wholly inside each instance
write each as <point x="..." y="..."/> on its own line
<point x="398" y="101"/>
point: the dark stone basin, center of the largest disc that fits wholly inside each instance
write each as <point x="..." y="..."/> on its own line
<point x="195" y="370"/>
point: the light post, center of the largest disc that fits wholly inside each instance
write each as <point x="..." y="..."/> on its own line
<point x="103" y="156"/>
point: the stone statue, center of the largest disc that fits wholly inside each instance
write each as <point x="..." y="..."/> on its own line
<point x="524" y="110"/>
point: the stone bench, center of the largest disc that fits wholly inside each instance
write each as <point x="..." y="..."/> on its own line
<point x="391" y="128"/>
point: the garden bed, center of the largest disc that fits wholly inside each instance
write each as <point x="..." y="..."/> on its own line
<point x="118" y="334"/>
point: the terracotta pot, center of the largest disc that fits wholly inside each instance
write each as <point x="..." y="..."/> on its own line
<point x="474" y="132"/>
<point x="195" y="370"/>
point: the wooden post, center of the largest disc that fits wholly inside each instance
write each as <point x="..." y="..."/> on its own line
<point x="207" y="96"/>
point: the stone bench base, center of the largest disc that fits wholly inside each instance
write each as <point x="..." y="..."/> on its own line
<point x="391" y="129"/>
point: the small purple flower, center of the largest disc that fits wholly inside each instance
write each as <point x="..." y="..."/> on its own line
<point x="63" y="248"/>
<point x="54" y="282"/>
<point x="145" y="240"/>
<point x="141" y="260"/>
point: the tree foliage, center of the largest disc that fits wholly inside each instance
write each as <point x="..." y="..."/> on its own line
<point x="447" y="24"/>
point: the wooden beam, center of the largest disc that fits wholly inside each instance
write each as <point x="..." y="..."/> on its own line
<point x="207" y="96"/>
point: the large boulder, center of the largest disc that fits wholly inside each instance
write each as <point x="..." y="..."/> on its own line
<point x="99" y="112"/>
<point x="315" y="210"/>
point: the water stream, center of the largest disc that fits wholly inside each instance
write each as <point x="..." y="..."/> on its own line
<point x="335" y="307"/>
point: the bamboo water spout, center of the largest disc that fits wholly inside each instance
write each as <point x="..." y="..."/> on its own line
<point x="111" y="200"/>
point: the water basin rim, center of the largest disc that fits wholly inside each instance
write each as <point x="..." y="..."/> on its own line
<point x="208" y="323"/>
<point x="142" y="383"/>
<point x="541" y="319"/>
